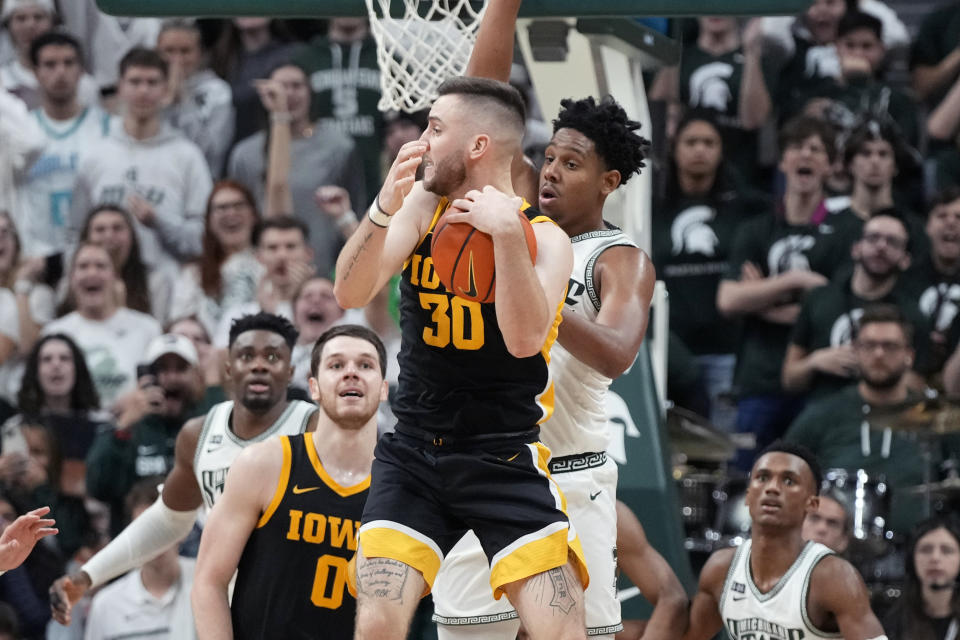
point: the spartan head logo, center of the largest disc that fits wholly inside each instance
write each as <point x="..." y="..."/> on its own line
<point x="845" y="327"/>
<point x="943" y="300"/>
<point x="709" y="88"/>
<point x="822" y="62"/>
<point x="787" y="254"/>
<point x="691" y="234"/>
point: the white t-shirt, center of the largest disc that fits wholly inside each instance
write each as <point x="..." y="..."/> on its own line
<point x="9" y="328"/>
<point x="125" y="609"/>
<point x="112" y="348"/>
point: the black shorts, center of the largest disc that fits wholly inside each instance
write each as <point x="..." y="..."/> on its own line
<point x="423" y="498"/>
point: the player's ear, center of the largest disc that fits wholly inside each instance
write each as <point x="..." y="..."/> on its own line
<point x="314" y="389"/>
<point x="813" y="504"/>
<point x="479" y="145"/>
<point x="384" y="391"/>
<point x="609" y="181"/>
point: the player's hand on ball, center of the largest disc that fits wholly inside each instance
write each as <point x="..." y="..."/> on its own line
<point x="401" y="176"/>
<point x="490" y="211"/>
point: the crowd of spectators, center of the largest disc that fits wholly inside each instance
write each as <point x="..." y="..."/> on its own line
<point x="159" y="179"/>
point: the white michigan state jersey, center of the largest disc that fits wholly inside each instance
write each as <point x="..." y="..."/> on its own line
<point x="218" y="446"/>
<point x="781" y="613"/>
<point x="579" y="421"/>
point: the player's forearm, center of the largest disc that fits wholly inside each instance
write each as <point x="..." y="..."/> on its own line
<point x="669" y="616"/>
<point x="211" y="610"/>
<point x="358" y="265"/>
<point x="603" y="348"/>
<point x="492" y="54"/>
<point x="752" y="296"/>
<point x="524" y="314"/>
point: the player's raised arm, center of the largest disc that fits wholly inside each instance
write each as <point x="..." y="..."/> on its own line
<point x="610" y="343"/>
<point x="705" y="620"/>
<point x="837" y="590"/>
<point x="237" y="513"/>
<point x="388" y="233"/>
<point x="652" y="575"/>
<point x="492" y="54"/>
<point x="164" y="523"/>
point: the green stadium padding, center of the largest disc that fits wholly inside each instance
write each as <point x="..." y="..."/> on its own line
<point x="529" y="8"/>
<point x="646" y="482"/>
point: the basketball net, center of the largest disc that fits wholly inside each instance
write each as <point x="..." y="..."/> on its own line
<point x="418" y="52"/>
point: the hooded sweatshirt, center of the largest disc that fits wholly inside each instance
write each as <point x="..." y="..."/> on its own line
<point x="168" y="171"/>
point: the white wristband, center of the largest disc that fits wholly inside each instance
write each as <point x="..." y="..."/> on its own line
<point x="377" y="215"/>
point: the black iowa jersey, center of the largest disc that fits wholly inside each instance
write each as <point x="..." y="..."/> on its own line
<point x="292" y="577"/>
<point x="456" y="375"/>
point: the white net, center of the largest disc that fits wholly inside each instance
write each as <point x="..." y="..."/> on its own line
<point x="417" y="52"/>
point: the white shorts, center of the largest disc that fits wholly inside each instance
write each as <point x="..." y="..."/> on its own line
<point x="462" y="594"/>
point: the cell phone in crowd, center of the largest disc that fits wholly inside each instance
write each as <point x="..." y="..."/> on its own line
<point x="146" y="369"/>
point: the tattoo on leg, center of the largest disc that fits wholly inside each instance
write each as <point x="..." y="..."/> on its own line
<point x="382" y="578"/>
<point x="563" y="598"/>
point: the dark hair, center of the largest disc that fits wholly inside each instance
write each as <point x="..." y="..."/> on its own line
<point x="871" y="131"/>
<point x="227" y="51"/>
<point x="795" y="131"/>
<point x="854" y="20"/>
<point x="614" y="135"/>
<point x="133" y="272"/>
<point x="10" y="277"/>
<point x="945" y="197"/>
<point x="352" y="331"/>
<point x="83" y="396"/>
<point x="143" y="492"/>
<point x="501" y="93"/>
<point x="671" y="183"/>
<point x="143" y="57"/>
<point x="800" y="451"/>
<point x="282" y="223"/>
<point x="916" y="624"/>
<point x="886" y="313"/>
<point x="213" y="255"/>
<point x="264" y="322"/>
<point x="891" y="212"/>
<point x="54" y="38"/>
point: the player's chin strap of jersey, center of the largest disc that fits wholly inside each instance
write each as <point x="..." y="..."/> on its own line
<point x="157" y="528"/>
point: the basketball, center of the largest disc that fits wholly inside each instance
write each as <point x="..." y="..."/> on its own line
<point x="463" y="258"/>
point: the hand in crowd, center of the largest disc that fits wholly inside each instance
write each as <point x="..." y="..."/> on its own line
<point x="142" y="210"/>
<point x="807" y="280"/>
<point x="333" y="200"/>
<point x="750" y="271"/>
<point x="272" y="95"/>
<point x="65" y="592"/>
<point x="132" y="407"/>
<point x="838" y="361"/>
<point x="30" y="270"/>
<point x="402" y="175"/>
<point x="753" y="37"/>
<point x="19" y="537"/>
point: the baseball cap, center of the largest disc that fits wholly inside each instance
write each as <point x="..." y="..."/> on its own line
<point x="9" y="6"/>
<point x="171" y="343"/>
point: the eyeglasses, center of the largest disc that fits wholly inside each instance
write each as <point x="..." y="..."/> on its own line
<point x="227" y="206"/>
<point x="884" y="345"/>
<point x="893" y="242"/>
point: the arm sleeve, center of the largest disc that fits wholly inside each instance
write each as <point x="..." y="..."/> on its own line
<point x="154" y="531"/>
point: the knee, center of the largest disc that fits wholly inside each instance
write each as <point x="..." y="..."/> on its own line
<point x="378" y="623"/>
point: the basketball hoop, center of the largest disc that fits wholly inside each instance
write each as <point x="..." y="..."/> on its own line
<point x="418" y="52"/>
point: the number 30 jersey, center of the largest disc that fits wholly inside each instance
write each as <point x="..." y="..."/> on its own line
<point x="456" y="376"/>
<point x="292" y="575"/>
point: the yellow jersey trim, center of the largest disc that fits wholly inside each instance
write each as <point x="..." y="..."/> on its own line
<point x="282" y="482"/>
<point x="441" y="207"/>
<point x="386" y="542"/>
<point x="341" y="491"/>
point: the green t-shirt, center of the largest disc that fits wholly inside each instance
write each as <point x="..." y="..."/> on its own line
<point x="692" y="239"/>
<point x="833" y="428"/>
<point x="829" y="317"/>
<point x="939" y="34"/>
<point x="937" y="299"/>
<point x="775" y="247"/>
<point x="713" y="83"/>
<point x="863" y="97"/>
<point x="345" y="88"/>
<point x="808" y="73"/>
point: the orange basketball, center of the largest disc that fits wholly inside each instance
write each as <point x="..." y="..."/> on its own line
<point x="463" y="258"/>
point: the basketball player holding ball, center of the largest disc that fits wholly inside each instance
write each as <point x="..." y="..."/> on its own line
<point x="595" y="148"/>
<point x="473" y="385"/>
